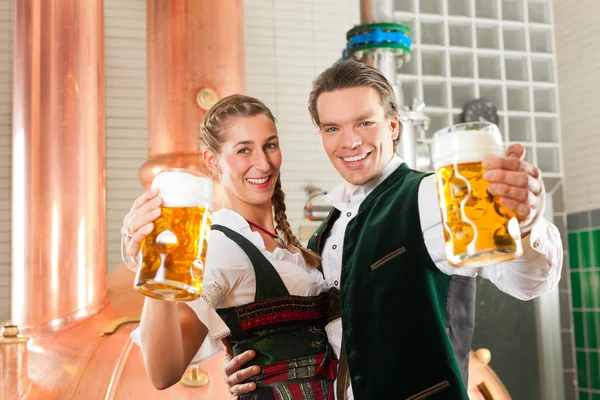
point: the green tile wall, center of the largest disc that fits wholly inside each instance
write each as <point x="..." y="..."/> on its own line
<point x="584" y="269"/>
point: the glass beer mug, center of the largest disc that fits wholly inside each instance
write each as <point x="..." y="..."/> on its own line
<point x="477" y="229"/>
<point x="172" y="257"/>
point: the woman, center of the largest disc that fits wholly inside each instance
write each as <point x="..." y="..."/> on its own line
<point x="261" y="288"/>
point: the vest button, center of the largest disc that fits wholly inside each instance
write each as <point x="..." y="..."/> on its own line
<point x="334" y="246"/>
<point x="348" y="214"/>
<point x="336" y="283"/>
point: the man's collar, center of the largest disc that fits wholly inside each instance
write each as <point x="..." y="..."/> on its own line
<point x="345" y="192"/>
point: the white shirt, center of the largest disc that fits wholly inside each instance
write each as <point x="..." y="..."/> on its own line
<point x="537" y="271"/>
<point x="229" y="279"/>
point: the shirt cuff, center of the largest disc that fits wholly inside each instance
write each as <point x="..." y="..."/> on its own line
<point x="542" y="240"/>
<point x="537" y="270"/>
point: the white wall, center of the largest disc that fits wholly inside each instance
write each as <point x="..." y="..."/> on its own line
<point x="577" y="33"/>
<point x="5" y="152"/>
<point x="126" y="148"/>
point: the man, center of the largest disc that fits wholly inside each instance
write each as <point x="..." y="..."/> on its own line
<point x="406" y="316"/>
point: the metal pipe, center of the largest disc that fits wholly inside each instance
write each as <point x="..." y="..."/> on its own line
<point x="407" y="148"/>
<point x="195" y="57"/>
<point x="58" y="180"/>
<point x="372" y="11"/>
<point x="385" y="61"/>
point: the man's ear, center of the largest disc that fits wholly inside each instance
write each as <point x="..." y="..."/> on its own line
<point x="396" y="128"/>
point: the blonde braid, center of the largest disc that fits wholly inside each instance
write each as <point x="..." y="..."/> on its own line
<point x="283" y="226"/>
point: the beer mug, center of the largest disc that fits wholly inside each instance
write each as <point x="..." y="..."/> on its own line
<point x="172" y="257"/>
<point x="477" y="229"/>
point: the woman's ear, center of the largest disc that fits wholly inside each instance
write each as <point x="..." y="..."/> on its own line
<point x="211" y="161"/>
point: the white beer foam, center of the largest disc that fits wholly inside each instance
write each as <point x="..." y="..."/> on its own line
<point x="179" y="188"/>
<point x="465" y="147"/>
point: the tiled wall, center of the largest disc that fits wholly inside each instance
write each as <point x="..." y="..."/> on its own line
<point x="499" y="50"/>
<point x="584" y="261"/>
<point x="556" y="188"/>
<point x="578" y="62"/>
<point x="6" y="34"/>
<point x="125" y="108"/>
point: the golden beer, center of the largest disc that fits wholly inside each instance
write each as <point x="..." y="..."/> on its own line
<point x="478" y="231"/>
<point x="173" y="255"/>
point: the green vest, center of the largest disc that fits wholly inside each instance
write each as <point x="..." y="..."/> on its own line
<point x="407" y="327"/>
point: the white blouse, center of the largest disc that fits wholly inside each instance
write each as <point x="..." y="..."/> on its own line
<point x="229" y="279"/>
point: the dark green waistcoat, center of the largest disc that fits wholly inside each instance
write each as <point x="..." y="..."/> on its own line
<point x="407" y="327"/>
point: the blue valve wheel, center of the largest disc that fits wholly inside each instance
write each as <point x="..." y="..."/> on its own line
<point x="384" y="26"/>
<point x="384" y="35"/>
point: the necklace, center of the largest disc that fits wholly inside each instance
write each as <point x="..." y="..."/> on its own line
<point x="273" y="235"/>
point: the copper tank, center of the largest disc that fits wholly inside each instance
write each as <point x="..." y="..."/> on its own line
<point x="77" y="321"/>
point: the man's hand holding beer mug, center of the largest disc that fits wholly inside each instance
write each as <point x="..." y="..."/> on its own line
<point x="518" y="184"/>
<point x="489" y="198"/>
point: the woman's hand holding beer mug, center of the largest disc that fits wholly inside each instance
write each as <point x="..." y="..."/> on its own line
<point x="518" y="185"/>
<point x="167" y="230"/>
<point x="137" y="224"/>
